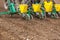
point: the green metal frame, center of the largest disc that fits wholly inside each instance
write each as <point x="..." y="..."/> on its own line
<point x="11" y="8"/>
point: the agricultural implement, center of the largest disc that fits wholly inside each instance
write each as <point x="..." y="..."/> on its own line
<point x="10" y="6"/>
<point x="36" y="8"/>
<point x="39" y="12"/>
<point x="16" y="8"/>
<point x="50" y="8"/>
<point x="25" y="12"/>
<point x="57" y="6"/>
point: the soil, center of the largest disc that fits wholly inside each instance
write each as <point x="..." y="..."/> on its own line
<point x="16" y="28"/>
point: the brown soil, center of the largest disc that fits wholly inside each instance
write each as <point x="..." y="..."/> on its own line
<point x="15" y="28"/>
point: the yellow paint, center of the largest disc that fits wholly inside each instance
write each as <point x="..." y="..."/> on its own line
<point x="57" y="6"/>
<point x="23" y="8"/>
<point x="48" y="6"/>
<point x="36" y="7"/>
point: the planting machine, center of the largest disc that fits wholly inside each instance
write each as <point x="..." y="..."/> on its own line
<point x="29" y="8"/>
<point x="14" y="7"/>
<point x="38" y="10"/>
<point x="50" y="8"/>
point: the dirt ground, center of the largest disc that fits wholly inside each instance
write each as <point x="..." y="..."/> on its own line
<point x="18" y="29"/>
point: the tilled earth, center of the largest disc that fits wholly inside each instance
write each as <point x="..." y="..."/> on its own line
<point x="15" y="28"/>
